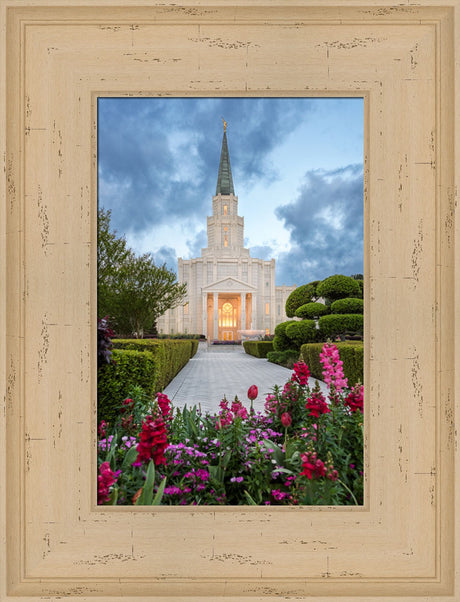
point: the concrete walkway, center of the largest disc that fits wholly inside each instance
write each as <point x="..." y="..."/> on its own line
<point x="219" y="370"/>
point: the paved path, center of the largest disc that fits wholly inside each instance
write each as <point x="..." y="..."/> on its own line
<point x="220" y="370"/>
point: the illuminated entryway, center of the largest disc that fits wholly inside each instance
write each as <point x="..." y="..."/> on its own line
<point x="226" y="314"/>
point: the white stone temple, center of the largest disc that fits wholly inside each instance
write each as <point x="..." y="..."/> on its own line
<point x="231" y="295"/>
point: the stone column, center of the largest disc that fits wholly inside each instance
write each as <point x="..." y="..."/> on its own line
<point x="254" y="321"/>
<point x="243" y="311"/>
<point x="215" y="334"/>
<point x="205" y="314"/>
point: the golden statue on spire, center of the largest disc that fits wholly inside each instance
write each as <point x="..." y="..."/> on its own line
<point x="225" y="124"/>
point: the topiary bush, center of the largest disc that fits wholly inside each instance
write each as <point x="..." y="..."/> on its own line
<point x="258" y="348"/>
<point x="309" y="311"/>
<point x="301" y="332"/>
<point x="128" y="369"/>
<point x="338" y="287"/>
<point x="299" y="296"/>
<point x="351" y="354"/>
<point x="339" y="324"/>
<point x="281" y="341"/>
<point x="349" y="305"/>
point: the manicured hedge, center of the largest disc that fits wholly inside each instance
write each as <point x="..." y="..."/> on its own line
<point x="338" y="287"/>
<point x="301" y="332"/>
<point x="350" y="305"/>
<point x="351" y="354"/>
<point x="258" y="348"/>
<point x="281" y="341"/>
<point x="195" y="343"/>
<point x="336" y="324"/>
<point x="170" y="356"/>
<point x="285" y="358"/>
<point x="312" y="310"/>
<point x="116" y="380"/>
<point x="299" y="296"/>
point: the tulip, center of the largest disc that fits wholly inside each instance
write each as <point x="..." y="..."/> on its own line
<point x="286" y="419"/>
<point x="252" y="392"/>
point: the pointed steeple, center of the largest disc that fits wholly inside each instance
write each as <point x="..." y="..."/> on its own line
<point x="224" y="179"/>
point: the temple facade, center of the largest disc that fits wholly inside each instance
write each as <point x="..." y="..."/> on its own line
<point x="231" y="295"/>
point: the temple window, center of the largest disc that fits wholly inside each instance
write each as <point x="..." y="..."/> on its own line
<point x="186" y="309"/>
<point x="225" y="209"/>
<point x="226" y="241"/>
<point x="267" y="308"/>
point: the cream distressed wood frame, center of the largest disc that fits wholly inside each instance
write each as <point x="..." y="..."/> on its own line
<point x="59" y="59"/>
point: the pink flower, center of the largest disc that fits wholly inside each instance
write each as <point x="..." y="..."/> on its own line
<point x="105" y="480"/>
<point x="252" y="392"/>
<point x="332" y="367"/>
<point x="238" y="409"/>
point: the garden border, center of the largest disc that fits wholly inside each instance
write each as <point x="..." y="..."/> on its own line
<point x="403" y="60"/>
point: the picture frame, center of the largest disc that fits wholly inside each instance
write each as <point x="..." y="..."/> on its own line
<point x="59" y="58"/>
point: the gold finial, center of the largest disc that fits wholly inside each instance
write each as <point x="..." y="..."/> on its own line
<point x="225" y="124"/>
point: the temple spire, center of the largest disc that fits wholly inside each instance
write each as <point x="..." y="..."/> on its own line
<point x="224" y="178"/>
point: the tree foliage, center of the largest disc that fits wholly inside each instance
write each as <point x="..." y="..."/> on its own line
<point x="312" y="310"/>
<point x="299" y="296"/>
<point x="338" y="287"/>
<point x="132" y="290"/>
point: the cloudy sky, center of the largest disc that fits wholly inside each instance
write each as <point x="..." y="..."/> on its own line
<point x="297" y="171"/>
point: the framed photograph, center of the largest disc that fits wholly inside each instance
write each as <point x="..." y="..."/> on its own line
<point x="60" y="58"/>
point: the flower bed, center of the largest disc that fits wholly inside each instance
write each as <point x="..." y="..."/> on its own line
<point x="303" y="449"/>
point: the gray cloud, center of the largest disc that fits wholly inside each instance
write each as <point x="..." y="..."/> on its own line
<point x="158" y="158"/>
<point x="197" y="243"/>
<point x="168" y="256"/>
<point x="262" y="252"/>
<point x="326" y="227"/>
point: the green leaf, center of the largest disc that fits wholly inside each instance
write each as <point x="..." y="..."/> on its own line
<point x="278" y="453"/>
<point x="159" y="494"/>
<point x="250" y="500"/>
<point x="129" y="458"/>
<point x="113" y="497"/>
<point x="146" y="497"/>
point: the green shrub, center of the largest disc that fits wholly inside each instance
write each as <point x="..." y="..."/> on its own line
<point x="349" y="305"/>
<point x="351" y="354"/>
<point x="258" y="348"/>
<point x="301" y="332"/>
<point x="116" y="380"/>
<point x="285" y="358"/>
<point x="170" y="355"/>
<point x="339" y="324"/>
<point x="338" y="287"/>
<point x="195" y="343"/>
<point x="299" y="296"/>
<point x="281" y="341"/>
<point x="312" y="310"/>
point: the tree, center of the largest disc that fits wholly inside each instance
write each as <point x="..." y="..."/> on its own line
<point x="112" y="252"/>
<point x="338" y="287"/>
<point x="142" y="293"/>
<point x="299" y="296"/>
<point x="132" y="290"/>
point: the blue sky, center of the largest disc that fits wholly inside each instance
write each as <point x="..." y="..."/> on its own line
<point x="297" y="172"/>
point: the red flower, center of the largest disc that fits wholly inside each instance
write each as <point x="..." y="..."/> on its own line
<point x="312" y="466"/>
<point x="252" y="392"/>
<point x="354" y="399"/>
<point x="286" y="419"/>
<point x="317" y="405"/>
<point x="101" y="429"/>
<point x="301" y="373"/>
<point x="105" y="480"/>
<point x="152" y="442"/>
<point x="164" y="405"/>
<point x="127" y="405"/>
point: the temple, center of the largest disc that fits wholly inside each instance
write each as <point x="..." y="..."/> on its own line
<point x="231" y="295"/>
